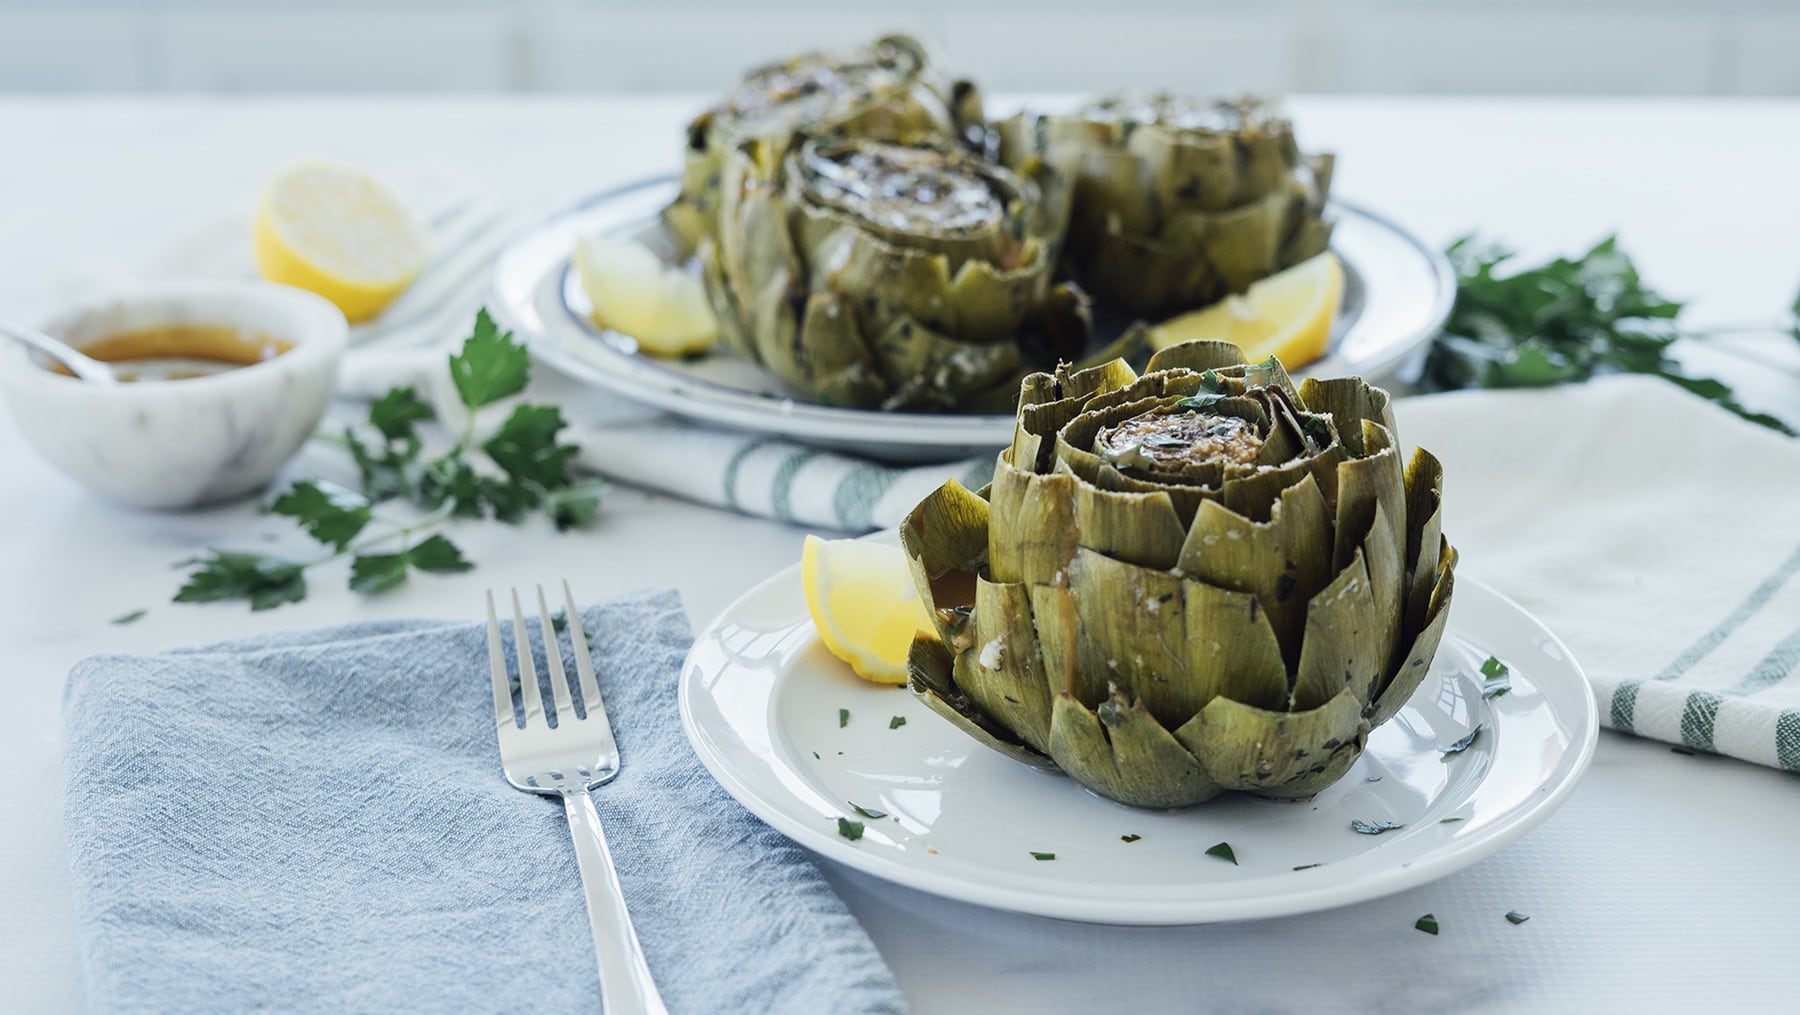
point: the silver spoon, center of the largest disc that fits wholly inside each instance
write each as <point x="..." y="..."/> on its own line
<point x="83" y="366"/>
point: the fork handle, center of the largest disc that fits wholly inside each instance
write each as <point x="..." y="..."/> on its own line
<point x="625" y="984"/>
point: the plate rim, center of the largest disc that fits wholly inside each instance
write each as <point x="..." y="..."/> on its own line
<point x="798" y="419"/>
<point x="1435" y="863"/>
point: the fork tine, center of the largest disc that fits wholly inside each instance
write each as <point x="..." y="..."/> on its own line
<point x="584" y="663"/>
<point x="528" y="681"/>
<point x="559" y="680"/>
<point x="504" y="717"/>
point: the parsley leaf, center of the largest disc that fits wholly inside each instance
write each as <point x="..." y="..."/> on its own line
<point x="1462" y="745"/>
<point x="129" y="618"/>
<point x="267" y="582"/>
<point x="396" y="413"/>
<point x="867" y="813"/>
<point x="896" y="722"/>
<point x="1362" y="827"/>
<point x="490" y="366"/>
<point x="1427" y="923"/>
<point x="851" y="830"/>
<point x="1129" y="838"/>
<point x="1515" y="917"/>
<point x="377" y="572"/>
<point x="329" y="513"/>
<point x="1035" y="855"/>
<point x="843" y="718"/>
<point x="525" y="447"/>
<point x="1308" y="866"/>
<point x="438" y="555"/>
<point x="574" y="506"/>
<point x="1224" y="852"/>
<point x="1498" y="678"/>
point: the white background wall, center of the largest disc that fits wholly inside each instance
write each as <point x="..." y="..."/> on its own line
<point x="1633" y="47"/>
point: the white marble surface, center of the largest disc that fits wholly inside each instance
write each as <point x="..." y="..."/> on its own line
<point x="1667" y="883"/>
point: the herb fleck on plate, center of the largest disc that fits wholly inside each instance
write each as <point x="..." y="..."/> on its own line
<point x="1498" y="678"/>
<point x="1129" y="838"/>
<point x="843" y="718"/>
<point x="1223" y="852"/>
<point x="866" y="812"/>
<point x="1362" y="827"/>
<point x="1428" y="924"/>
<point x="851" y="830"/>
<point x="1515" y="917"/>
<point x="1308" y="866"/>
<point x="129" y="618"/>
<point x="1035" y="855"/>
<point x="1462" y="745"/>
<point x="896" y="722"/>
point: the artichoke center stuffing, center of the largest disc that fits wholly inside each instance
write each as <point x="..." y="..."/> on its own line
<point x="813" y="86"/>
<point x="1170" y="442"/>
<point x="913" y="190"/>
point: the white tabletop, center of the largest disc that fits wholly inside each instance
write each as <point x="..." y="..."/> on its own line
<point x="1666" y="883"/>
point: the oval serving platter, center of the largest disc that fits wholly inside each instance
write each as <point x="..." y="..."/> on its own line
<point x="1397" y="295"/>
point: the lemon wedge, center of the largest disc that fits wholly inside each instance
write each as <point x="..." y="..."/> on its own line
<point x="339" y="232"/>
<point x="1287" y="315"/>
<point x="636" y="293"/>
<point x="862" y="599"/>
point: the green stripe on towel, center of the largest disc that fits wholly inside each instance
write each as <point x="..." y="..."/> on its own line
<point x="1712" y="639"/>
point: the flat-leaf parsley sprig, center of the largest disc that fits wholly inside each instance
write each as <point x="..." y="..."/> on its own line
<point x="521" y="468"/>
<point x="1567" y="320"/>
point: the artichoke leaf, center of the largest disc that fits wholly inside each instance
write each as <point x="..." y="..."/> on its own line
<point x="1348" y="401"/>
<point x="1412" y="670"/>
<point x="1003" y="672"/>
<point x="1031" y="529"/>
<point x="1377" y="479"/>
<point x="930" y="369"/>
<point x="830" y="356"/>
<point x="945" y="540"/>
<point x="1121" y="751"/>
<point x="1284" y="562"/>
<point x="1342" y="650"/>
<point x="726" y="306"/>
<point x="1058" y="636"/>
<point x="1199" y="356"/>
<point x="1262" y="751"/>
<point x="1143" y="276"/>
<point x="1231" y="649"/>
<point x="1240" y="245"/>
<point x="1138" y="528"/>
<point x="929" y="667"/>
<point x="1135" y="630"/>
<point x="1424" y="531"/>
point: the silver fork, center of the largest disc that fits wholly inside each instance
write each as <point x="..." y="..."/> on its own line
<point x="568" y="760"/>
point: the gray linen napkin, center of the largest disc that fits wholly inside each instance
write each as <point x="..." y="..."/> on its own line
<point x="316" y="821"/>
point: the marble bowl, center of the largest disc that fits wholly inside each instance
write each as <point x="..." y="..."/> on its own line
<point x="184" y="443"/>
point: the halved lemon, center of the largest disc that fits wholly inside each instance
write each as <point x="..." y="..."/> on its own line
<point x="1287" y="315"/>
<point x="339" y="232"/>
<point x="862" y="599"/>
<point x="636" y="293"/>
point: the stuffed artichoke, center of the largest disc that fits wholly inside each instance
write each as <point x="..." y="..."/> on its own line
<point x="1196" y="580"/>
<point x="869" y="274"/>
<point x="887" y="90"/>
<point x="1177" y="202"/>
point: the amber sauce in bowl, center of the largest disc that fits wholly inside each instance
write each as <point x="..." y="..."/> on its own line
<point x="175" y="352"/>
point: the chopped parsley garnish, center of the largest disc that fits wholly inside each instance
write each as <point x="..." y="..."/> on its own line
<point x="1035" y="855"/>
<point x="1223" y="852"/>
<point x="1451" y="821"/>
<point x="1515" y="917"/>
<point x="1461" y="745"/>
<point x="129" y="618"/>
<point x="851" y="830"/>
<point x="843" y="718"/>
<point x="1308" y="866"/>
<point x="1362" y="827"/>
<point x="866" y="812"/>
<point x="896" y="722"/>
<point x="1129" y="838"/>
<point x="1428" y="924"/>
<point x="1498" y="678"/>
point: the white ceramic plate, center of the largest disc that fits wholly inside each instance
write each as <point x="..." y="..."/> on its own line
<point x="760" y="698"/>
<point x="1397" y="294"/>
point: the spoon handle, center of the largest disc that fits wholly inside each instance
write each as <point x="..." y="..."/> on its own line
<point x="85" y="367"/>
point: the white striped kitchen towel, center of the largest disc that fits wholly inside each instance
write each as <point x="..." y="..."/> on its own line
<point x="1656" y="534"/>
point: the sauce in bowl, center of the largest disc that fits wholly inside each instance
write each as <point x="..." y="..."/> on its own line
<point x="175" y="352"/>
